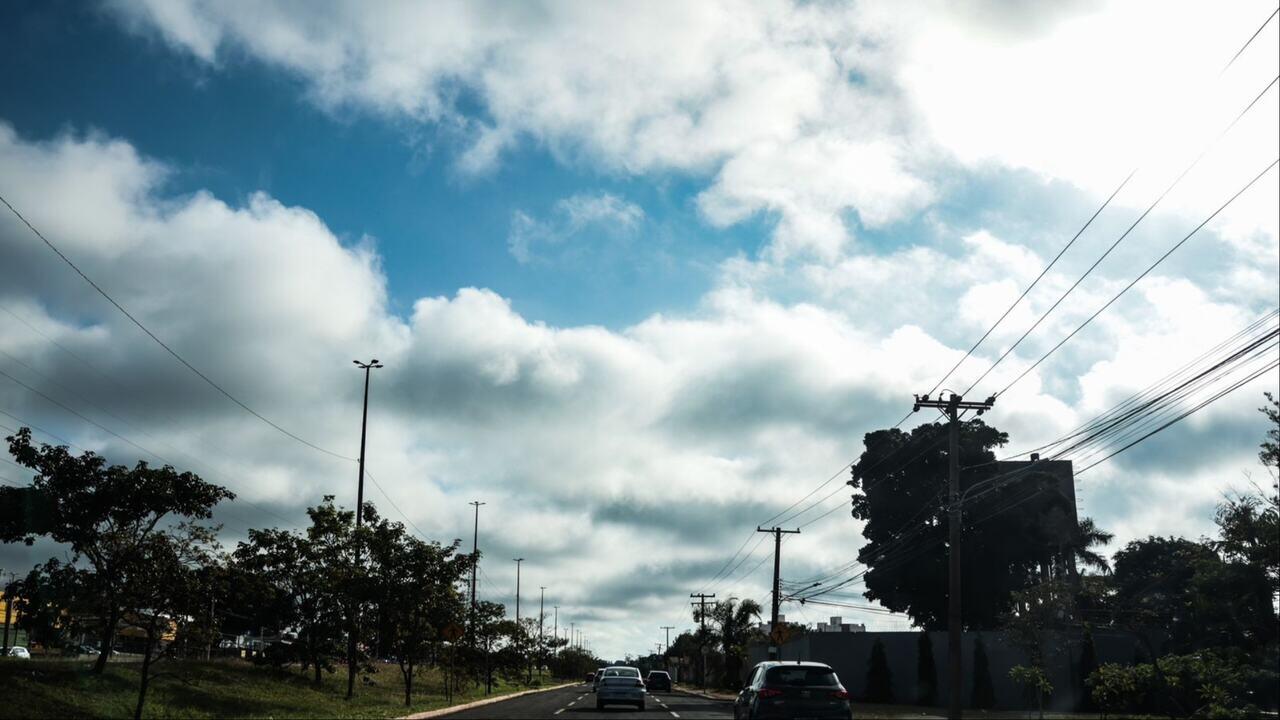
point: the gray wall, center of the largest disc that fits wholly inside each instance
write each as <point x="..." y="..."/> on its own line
<point x="849" y="655"/>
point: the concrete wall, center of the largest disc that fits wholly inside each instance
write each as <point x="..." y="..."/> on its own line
<point x="849" y="654"/>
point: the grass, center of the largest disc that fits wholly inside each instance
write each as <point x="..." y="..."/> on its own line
<point x="216" y="689"/>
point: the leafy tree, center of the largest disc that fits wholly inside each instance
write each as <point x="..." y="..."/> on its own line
<point x="296" y="580"/>
<point x="1036" y="612"/>
<point x="171" y="589"/>
<point x="1270" y="453"/>
<point x="879" y="679"/>
<point x="50" y="602"/>
<point x="1119" y="688"/>
<point x="414" y="587"/>
<point x="1034" y="678"/>
<point x="1249" y="533"/>
<point x="107" y="514"/>
<point x="903" y="476"/>
<point x="926" y="671"/>
<point x="1185" y="587"/>
<point x="984" y="692"/>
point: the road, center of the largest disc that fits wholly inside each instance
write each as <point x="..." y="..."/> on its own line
<point x="578" y="703"/>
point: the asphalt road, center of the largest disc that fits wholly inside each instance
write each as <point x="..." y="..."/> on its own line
<point x="578" y="703"/>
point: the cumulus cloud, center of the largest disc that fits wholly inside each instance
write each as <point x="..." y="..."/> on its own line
<point x="830" y="120"/>
<point x="603" y="214"/>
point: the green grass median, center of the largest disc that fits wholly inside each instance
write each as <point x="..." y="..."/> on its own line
<point x="215" y="689"/>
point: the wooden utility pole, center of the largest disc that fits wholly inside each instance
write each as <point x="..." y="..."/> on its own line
<point x="775" y="641"/>
<point x="702" y="638"/>
<point x="475" y="564"/>
<point x="953" y="407"/>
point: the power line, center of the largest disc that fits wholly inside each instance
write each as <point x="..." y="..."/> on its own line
<point x="161" y="343"/>
<point x="1144" y="273"/>
<point x="1044" y="316"/>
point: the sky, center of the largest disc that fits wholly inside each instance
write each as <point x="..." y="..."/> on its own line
<point x="641" y="274"/>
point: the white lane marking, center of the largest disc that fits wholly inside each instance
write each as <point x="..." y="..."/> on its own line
<point x="571" y="704"/>
<point x="558" y="711"/>
<point x="673" y="713"/>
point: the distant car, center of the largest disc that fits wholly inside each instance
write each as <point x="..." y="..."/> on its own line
<point x="591" y="676"/>
<point x="620" y="686"/>
<point x="596" y="677"/>
<point x="19" y="652"/>
<point x="657" y="680"/>
<point x="793" y="690"/>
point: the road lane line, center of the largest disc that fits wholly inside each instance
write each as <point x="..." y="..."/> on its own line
<point x="571" y="704"/>
<point x="673" y="713"/>
<point x="558" y="711"/>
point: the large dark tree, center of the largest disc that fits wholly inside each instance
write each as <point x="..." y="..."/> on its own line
<point x="107" y="514"/>
<point x="1018" y="530"/>
<point x="1185" y="588"/>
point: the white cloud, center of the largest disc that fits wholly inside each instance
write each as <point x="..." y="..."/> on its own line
<point x="578" y="436"/>
<point x="603" y="214"/>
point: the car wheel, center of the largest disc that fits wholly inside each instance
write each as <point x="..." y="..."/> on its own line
<point x="640" y="705"/>
<point x="599" y="704"/>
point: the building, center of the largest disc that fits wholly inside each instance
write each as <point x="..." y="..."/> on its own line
<point x="838" y="624"/>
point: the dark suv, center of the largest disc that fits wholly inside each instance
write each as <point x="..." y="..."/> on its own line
<point x="792" y="690"/>
<point x="657" y="680"/>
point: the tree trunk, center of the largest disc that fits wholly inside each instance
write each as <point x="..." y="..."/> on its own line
<point x="107" y="640"/>
<point x="408" y="683"/>
<point x="146" y="668"/>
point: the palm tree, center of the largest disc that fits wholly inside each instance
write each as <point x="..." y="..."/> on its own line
<point x="734" y="621"/>
<point x="1088" y="536"/>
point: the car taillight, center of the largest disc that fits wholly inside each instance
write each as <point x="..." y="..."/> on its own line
<point x="639" y="683"/>
<point x="769" y="692"/>
<point x="840" y="695"/>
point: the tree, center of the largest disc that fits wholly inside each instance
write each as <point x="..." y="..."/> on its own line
<point x="984" y="693"/>
<point x="1088" y="664"/>
<point x="1249" y="533"/>
<point x="926" y="671"/>
<point x="1037" y="611"/>
<point x="295" y="581"/>
<point x="879" y="679"/>
<point x="416" y="594"/>
<point x="903" y="477"/>
<point x="171" y="588"/>
<point x="1270" y="453"/>
<point x="1034" y="678"/>
<point x="1119" y="688"/>
<point x="733" y="620"/>
<point x="1186" y="587"/>
<point x="106" y="514"/>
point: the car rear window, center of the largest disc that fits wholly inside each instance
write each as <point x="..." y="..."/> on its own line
<point x="657" y="674"/>
<point x="622" y="672"/>
<point x="801" y="676"/>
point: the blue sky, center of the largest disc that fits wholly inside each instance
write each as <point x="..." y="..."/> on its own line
<point x="622" y="254"/>
<point x="244" y="128"/>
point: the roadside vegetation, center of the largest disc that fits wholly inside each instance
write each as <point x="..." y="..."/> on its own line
<point x="358" y="613"/>
<point x="214" y="689"/>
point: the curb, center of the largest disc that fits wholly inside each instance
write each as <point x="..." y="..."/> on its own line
<point x="707" y="695"/>
<point x="481" y="703"/>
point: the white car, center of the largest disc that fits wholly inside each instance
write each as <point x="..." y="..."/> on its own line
<point x="620" y="686"/>
<point x="19" y="652"/>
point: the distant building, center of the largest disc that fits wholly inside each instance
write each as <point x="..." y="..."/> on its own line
<point x="838" y="624"/>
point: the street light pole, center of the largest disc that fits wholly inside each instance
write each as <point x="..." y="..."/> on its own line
<point x="355" y="609"/>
